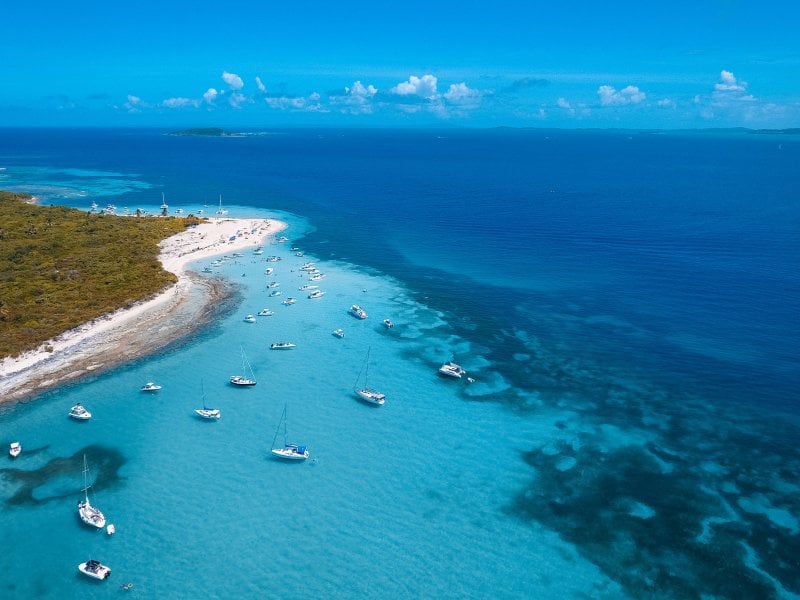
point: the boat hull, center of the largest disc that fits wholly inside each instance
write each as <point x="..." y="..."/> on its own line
<point x="289" y="454"/>
<point x="94" y="570"/>
<point x="371" y="397"/>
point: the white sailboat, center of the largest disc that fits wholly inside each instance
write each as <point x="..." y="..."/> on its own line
<point x="244" y="380"/>
<point x="91" y="515"/>
<point x="366" y="393"/>
<point x="221" y="211"/>
<point x="205" y="412"/>
<point x="288" y="451"/>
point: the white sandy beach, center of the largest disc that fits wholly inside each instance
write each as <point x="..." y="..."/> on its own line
<point x="147" y="326"/>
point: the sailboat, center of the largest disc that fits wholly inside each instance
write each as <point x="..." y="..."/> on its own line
<point x="288" y="451"/>
<point x="91" y="515"/>
<point x="367" y="393"/>
<point x="244" y="380"/>
<point x="221" y="211"/>
<point x="164" y="206"/>
<point x="205" y="412"/>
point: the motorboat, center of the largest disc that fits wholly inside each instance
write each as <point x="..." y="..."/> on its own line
<point x="274" y="293"/>
<point x="258" y="251"/>
<point x="289" y="301"/>
<point x="15" y="449"/>
<point x="269" y="271"/>
<point x="273" y="258"/>
<point x="388" y="324"/>
<point x="316" y="294"/>
<point x="451" y="369"/>
<point x="358" y="312"/>
<point x="94" y="568"/>
<point x="207" y="270"/>
<point x="287" y="451"/>
<point x="305" y="288"/>
<point x="208" y="413"/>
<point x="79" y="413"/>
<point x="150" y="387"/>
<point x="265" y="313"/>
<point x="317" y="277"/>
<point x="249" y="319"/>
<point x="273" y="284"/>
<point x="91" y="515"/>
<point x="110" y="529"/>
<point x="338" y="333"/>
<point x="282" y="345"/>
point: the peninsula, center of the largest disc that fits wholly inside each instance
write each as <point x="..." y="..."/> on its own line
<point x="141" y="321"/>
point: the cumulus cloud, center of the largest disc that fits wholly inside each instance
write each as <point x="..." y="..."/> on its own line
<point x="666" y="103"/>
<point x="210" y="95"/>
<point x="356" y="100"/>
<point x="234" y="81"/>
<point x="728" y="83"/>
<point x="563" y="103"/>
<point x="627" y="95"/>
<point x="423" y="87"/>
<point x="260" y="85"/>
<point x="460" y="93"/>
<point x="179" y="102"/>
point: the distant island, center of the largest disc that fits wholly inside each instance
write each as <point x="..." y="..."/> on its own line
<point x="206" y="131"/>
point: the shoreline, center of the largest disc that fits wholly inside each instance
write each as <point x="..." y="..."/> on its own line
<point x="176" y="312"/>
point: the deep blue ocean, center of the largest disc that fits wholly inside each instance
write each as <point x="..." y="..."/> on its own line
<point x="627" y="302"/>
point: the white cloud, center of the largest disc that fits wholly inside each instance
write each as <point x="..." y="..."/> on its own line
<point x="234" y="81"/>
<point x="179" y="102"/>
<point x="210" y="95"/>
<point x="356" y="100"/>
<point x="666" y="103"/>
<point x="728" y="83"/>
<point x="260" y="85"/>
<point x="460" y="93"/>
<point x="627" y="95"/>
<point x="236" y="99"/>
<point x="424" y="87"/>
<point x="134" y="104"/>
<point x="563" y="103"/>
<point x="296" y="103"/>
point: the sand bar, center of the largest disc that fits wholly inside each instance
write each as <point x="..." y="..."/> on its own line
<point x="144" y="328"/>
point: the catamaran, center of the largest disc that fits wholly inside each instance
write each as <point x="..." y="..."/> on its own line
<point x="288" y="451"/>
<point x="91" y="515"/>
<point x="451" y="369"/>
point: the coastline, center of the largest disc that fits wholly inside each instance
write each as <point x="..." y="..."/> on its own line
<point x="149" y="325"/>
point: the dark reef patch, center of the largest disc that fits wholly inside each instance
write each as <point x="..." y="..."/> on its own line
<point x="105" y="464"/>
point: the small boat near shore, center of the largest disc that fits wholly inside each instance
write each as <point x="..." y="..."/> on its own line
<point x="338" y="333"/>
<point x="249" y="319"/>
<point x="150" y="387"/>
<point x="79" y="413"/>
<point x="265" y="313"/>
<point x="288" y="451"/>
<point x="316" y="294"/>
<point x="358" y="312"/>
<point x="366" y="393"/>
<point x="91" y="515"/>
<point x="249" y="378"/>
<point x="15" y="449"/>
<point x="289" y="302"/>
<point x="282" y="345"/>
<point x="208" y="413"/>
<point x="388" y="324"/>
<point x="305" y="288"/>
<point x="274" y="293"/>
<point x="95" y="569"/>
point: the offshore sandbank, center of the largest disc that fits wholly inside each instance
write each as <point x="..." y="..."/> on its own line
<point x="142" y="329"/>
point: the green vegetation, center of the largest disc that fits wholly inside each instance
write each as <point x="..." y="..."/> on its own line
<point x="61" y="267"/>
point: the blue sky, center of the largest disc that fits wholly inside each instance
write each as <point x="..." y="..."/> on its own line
<point x="415" y="64"/>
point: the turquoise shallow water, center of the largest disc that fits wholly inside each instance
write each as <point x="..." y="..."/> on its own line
<point x="627" y="302"/>
<point x="399" y="500"/>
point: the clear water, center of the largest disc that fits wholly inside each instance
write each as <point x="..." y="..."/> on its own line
<point x="628" y="306"/>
